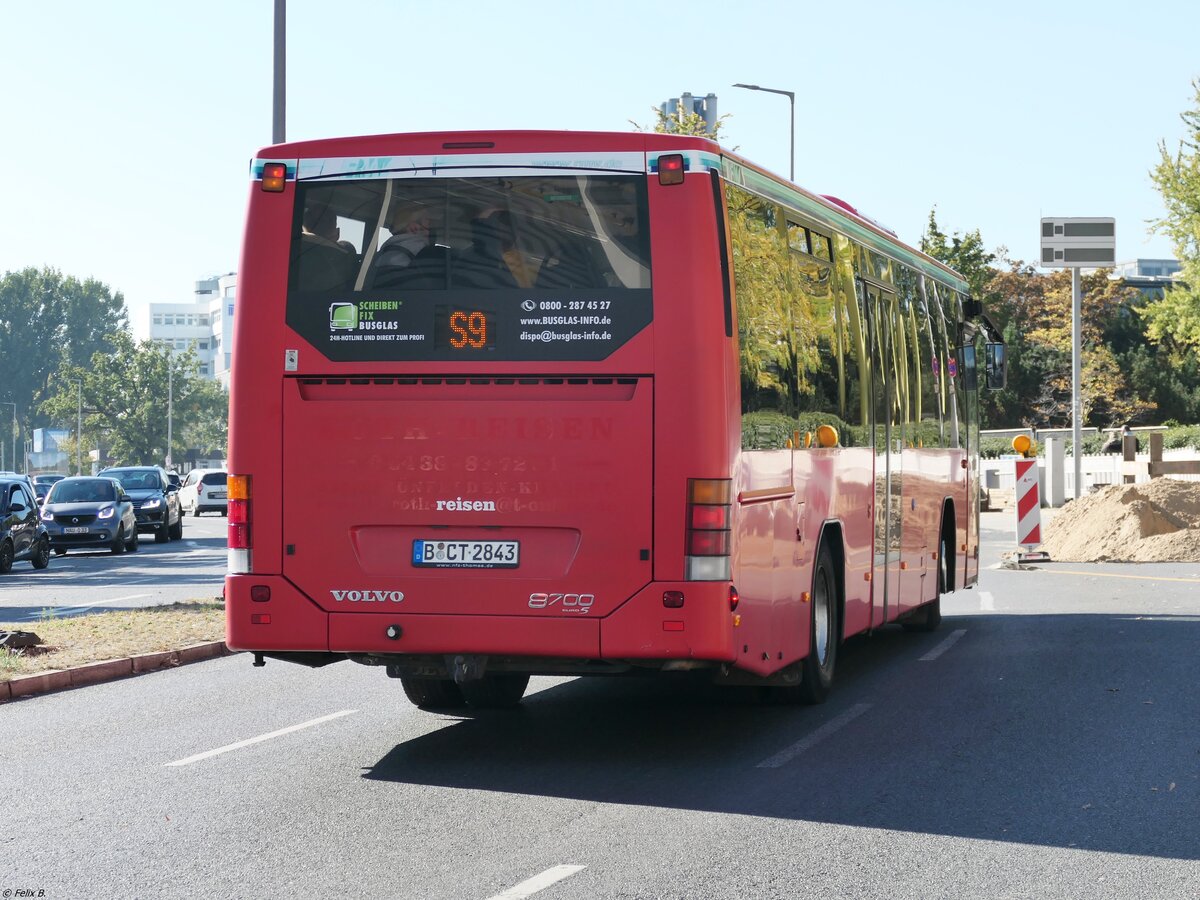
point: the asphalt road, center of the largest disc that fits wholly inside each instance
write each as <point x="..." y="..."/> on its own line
<point x="95" y="581"/>
<point x="1044" y="742"/>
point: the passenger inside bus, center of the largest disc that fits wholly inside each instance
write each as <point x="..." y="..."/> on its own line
<point x="494" y="260"/>
<point x="323" y="262"/>
<point x="409" y="257"/>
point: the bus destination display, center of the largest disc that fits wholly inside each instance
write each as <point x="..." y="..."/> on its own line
<point x="492" y="325"/>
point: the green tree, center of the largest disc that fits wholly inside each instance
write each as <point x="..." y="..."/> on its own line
<point x="124" y="395"/>
<point x="1176" y="317"/>
<point x="207" y="430"/>
<point x="1037" y="308"/>
<point x="965" y="254"/>
<point x="48" y="321"/>
<point x="681" y="122"/>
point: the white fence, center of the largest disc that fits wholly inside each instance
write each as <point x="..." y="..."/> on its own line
<point x="1098" y="471"/>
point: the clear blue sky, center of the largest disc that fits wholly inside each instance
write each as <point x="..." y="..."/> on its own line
<point x="128" y="126"/>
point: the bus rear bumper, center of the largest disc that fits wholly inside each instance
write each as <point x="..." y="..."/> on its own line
<point x="642" y="628"/>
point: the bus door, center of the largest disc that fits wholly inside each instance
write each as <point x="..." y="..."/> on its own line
<point x="888" y="439"/>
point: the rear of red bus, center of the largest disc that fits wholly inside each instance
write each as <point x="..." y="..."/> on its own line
<point x="481" y="402"/>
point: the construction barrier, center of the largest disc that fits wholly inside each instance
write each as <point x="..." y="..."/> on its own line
<point x="1029" y="504"/>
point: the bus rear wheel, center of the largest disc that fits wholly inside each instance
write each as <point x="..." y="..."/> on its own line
<point x="823" y="634"/>
<point x="496" y="690"/>
<point x="432" y="693"/>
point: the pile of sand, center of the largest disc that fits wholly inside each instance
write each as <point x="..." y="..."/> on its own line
<point x="1158" y="521"/>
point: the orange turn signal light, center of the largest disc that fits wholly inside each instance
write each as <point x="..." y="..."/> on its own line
<point x="274" y="177"/>
<point x="238" y="487"/>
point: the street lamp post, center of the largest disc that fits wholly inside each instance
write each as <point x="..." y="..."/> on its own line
<point x="79" y="427"/>
<point x="14" y="433"/>
<point x="792" y="133"/>
<point x="170" y="407"/>
<point x="279" y="95"/>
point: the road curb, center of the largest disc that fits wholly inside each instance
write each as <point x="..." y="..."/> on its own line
<point x="111" y="670"/>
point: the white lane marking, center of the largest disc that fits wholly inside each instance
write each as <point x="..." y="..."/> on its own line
<point x="73" y="610"/>
<point x="806" y="743"/>
<point x="262" y="737"/>
<point x="987" y="602"/>
<point x="944" y="646"/>
<point x="538" y="882"/>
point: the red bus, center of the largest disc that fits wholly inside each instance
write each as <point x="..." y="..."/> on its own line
<point x="516" y="403"/>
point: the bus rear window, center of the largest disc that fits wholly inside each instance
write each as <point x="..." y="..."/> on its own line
<point x="553" y="232"/>
<point x="533" y="267"/>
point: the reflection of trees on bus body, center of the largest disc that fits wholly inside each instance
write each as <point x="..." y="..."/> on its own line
<point x="817" y="314"/>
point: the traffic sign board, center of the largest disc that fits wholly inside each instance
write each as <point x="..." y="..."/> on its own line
<point x="1069" y="243"/>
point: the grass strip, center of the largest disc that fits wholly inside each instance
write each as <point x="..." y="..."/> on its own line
<point x="78" y="640"/>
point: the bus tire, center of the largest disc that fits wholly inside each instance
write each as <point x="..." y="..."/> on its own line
<point x="819" y="664"/>
<point x="432" y="693"/>
<point x="496" y="690"/>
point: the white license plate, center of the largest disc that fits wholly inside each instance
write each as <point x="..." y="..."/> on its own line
<point x="466" y="554"/>
<point x="75" y="531"/>
<point x="217" y="495"/>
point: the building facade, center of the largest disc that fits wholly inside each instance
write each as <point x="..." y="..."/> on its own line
<point x="204" y="325"/>
<point x="1149" y="276"/>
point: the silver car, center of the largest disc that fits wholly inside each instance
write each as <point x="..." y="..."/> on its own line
<point x="85" y="513"/>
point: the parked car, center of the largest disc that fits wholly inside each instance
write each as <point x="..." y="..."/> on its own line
<point x="174" y="478"/>
<point x="204" y="491"/>
<point x="90" y="512"/>
<point x="22" y="534"/>
<point x="155" y="500"/>
<point x="42" y="483"/>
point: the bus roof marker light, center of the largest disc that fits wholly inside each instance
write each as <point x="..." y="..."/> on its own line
<point x="670" y="169"/>
<point x="274" y="177"/>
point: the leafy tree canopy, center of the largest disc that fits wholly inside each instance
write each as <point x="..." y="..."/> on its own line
<point x="125" y="401"/>
<point x="48" y="321"/>
<point x="1175" y="320"/>
<point x="681" y="122"/>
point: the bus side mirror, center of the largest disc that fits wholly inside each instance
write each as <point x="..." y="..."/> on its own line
<point x="997" y="366"/>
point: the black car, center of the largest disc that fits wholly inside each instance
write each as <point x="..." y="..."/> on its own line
<point x="90" y="513"/>
<point x="22" y="535"/>
<point x="155" y="500"/>
<point x="43" y="483"/>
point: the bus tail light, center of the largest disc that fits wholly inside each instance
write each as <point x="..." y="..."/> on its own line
<point x="707" y="541"/>
<point x="240" y="541"/>
<point x="274" y="177"/>
<point x="670" y="169"/>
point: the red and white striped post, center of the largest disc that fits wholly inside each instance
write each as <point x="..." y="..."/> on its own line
<point x="1029" y="505"/>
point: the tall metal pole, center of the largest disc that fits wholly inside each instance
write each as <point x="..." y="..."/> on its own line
<point x="1076" y="399"/>
<point x="792" y="142"/>
<point x="79" y="428"/>
<point x="278" y="118"/>
<point x="14" y="437"/>
<point x="170" y="407"/>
